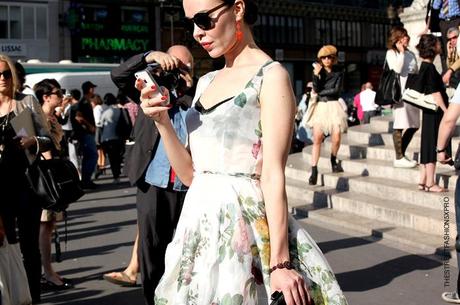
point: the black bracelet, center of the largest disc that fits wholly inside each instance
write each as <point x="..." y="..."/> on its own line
<point x="284" y="265"/>
<point x="440" y="150"/>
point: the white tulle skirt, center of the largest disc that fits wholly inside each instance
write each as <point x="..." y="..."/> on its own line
<point x="327" y="116"/>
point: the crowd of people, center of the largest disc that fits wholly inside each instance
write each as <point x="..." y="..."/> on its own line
<point x="65" y="127"/>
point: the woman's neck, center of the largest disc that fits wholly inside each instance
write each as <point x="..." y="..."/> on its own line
<point x="241" y="53"/>
<point x="4" y="98"/>
<point x="328" y="69"/>
<point x="428" y="60"/>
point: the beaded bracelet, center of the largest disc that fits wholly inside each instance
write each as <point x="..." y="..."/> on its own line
<point x="284" y="265"/>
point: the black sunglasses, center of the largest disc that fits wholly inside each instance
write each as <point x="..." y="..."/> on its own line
<point x="6" y="74"/>
<point x="58" y="93"/>
<point x="328" y="57"/>
<point x="454" y="37"/>
<point x="202" y="19"/>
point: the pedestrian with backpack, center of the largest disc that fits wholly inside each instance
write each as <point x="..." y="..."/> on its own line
<point x="114" y="123"/>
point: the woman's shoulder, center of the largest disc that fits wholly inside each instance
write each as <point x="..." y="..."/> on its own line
<point x="24" y="101"/>
<point x="390" y="52"/>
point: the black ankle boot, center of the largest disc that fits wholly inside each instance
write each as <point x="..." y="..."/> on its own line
<point x="336" y="168"/>
<point x="314" y="175"/>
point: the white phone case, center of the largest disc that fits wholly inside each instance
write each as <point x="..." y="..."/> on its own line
<point x="149" y="81"/>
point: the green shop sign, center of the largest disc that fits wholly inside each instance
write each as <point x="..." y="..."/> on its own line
<point x="134" y="28"/>
<point x="114" y="44"/>
<point x="92" y="26"/>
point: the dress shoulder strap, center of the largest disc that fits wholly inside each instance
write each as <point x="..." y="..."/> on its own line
<point x="257" y="81"/>
<point x="203" y="83"/>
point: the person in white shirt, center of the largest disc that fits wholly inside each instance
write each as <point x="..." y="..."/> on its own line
<point x="406" y="117"/>
<point x="367" y="97"/>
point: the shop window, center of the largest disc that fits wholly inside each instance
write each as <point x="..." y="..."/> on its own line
<point x="3" y="21"/>
<point x="138" y="15"/>
<point x="15" y="22"/>
<point x="94" y="14"/>
<point x="42" y="23"/>
<point x="29" y="22"/>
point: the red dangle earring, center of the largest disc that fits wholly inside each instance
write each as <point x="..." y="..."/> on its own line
<point x="239" y="33"/>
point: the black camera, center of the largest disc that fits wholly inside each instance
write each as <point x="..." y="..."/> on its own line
<point x="171" y="79"/>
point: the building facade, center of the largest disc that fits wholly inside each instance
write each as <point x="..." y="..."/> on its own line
<point x="109" y="31"/>
<point x="30" y="29"/>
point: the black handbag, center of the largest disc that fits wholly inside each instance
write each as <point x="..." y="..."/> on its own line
<point x="55" y="182"/>
<point x="389" y="90"/>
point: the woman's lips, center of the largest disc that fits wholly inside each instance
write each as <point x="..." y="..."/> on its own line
<point x="206" y="45"/>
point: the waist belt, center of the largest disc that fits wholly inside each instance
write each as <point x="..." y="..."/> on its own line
<point x="237" y="175"/>
<point x="451" y="18"/>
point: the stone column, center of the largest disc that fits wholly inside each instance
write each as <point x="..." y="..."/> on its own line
<point x="413" y="19"/>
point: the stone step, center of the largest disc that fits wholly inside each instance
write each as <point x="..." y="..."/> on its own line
<point x="398" y="213"/>
<point x="300" y="193"/>
<point x="387" y="189"/>
<point x="398" y="237"/>
<point x="299" y="164"/>
<point x="380" y="152"/>
<point x="382" y="124"/>
<point x="365" y="135"/>
<point x="404" y="214"/>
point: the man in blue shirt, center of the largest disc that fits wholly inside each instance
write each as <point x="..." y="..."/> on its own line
<point x="449" y="16"/>
<point x="160" y="194"/>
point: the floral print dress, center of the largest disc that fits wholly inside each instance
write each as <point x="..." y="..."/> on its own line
<point x="220" y="253"/>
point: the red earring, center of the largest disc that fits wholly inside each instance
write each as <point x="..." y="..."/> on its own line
<point x="239" y="33"/>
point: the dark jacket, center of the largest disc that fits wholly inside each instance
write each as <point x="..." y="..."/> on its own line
<point x="145" y="133"/>
<point x="328" y="85"/>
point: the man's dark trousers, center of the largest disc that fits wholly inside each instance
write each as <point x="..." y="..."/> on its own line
<point x="158" y="211"/>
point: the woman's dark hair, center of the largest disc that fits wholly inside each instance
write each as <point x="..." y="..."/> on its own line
<point x="45" y="87"/>
<point x="252" y="10"/>
<point x="396" y="34"/>
<point x="76" y="94"/>
<point x="110" y="99"/>
<point x="122" y="99"/>
<point x="427" y="46"/>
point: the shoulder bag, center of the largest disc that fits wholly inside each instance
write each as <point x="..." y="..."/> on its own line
<point x="55" y="182"/>
<point x="14" y="289"/>
<point x="389" y="90"/>
<point x="419" y="100"/>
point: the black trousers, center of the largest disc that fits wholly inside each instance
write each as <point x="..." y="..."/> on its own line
<point x="158" y="211"/>
<point x="19" y="210"/>
<point x="114" y="150"/>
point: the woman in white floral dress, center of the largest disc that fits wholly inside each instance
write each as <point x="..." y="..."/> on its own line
<point x="235" y="226"/>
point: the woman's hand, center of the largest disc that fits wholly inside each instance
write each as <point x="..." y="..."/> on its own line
<point x="317" y="68"/>
<point x="443" y="158"/>
<point x="153" y="107"/>
<point x="25" y="142"/>
<point x="293" y="286"/>
<point x="400" y="46"/>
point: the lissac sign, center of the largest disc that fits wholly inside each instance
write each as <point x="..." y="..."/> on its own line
<point x="13" y="49"/>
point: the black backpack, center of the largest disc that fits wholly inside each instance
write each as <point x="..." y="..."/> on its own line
<point x="124" y="126"/>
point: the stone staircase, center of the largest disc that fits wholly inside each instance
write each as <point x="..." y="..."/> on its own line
<point x="371" y="196"/>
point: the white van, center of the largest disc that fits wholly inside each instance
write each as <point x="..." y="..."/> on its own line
<point x="74" y="80"/>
